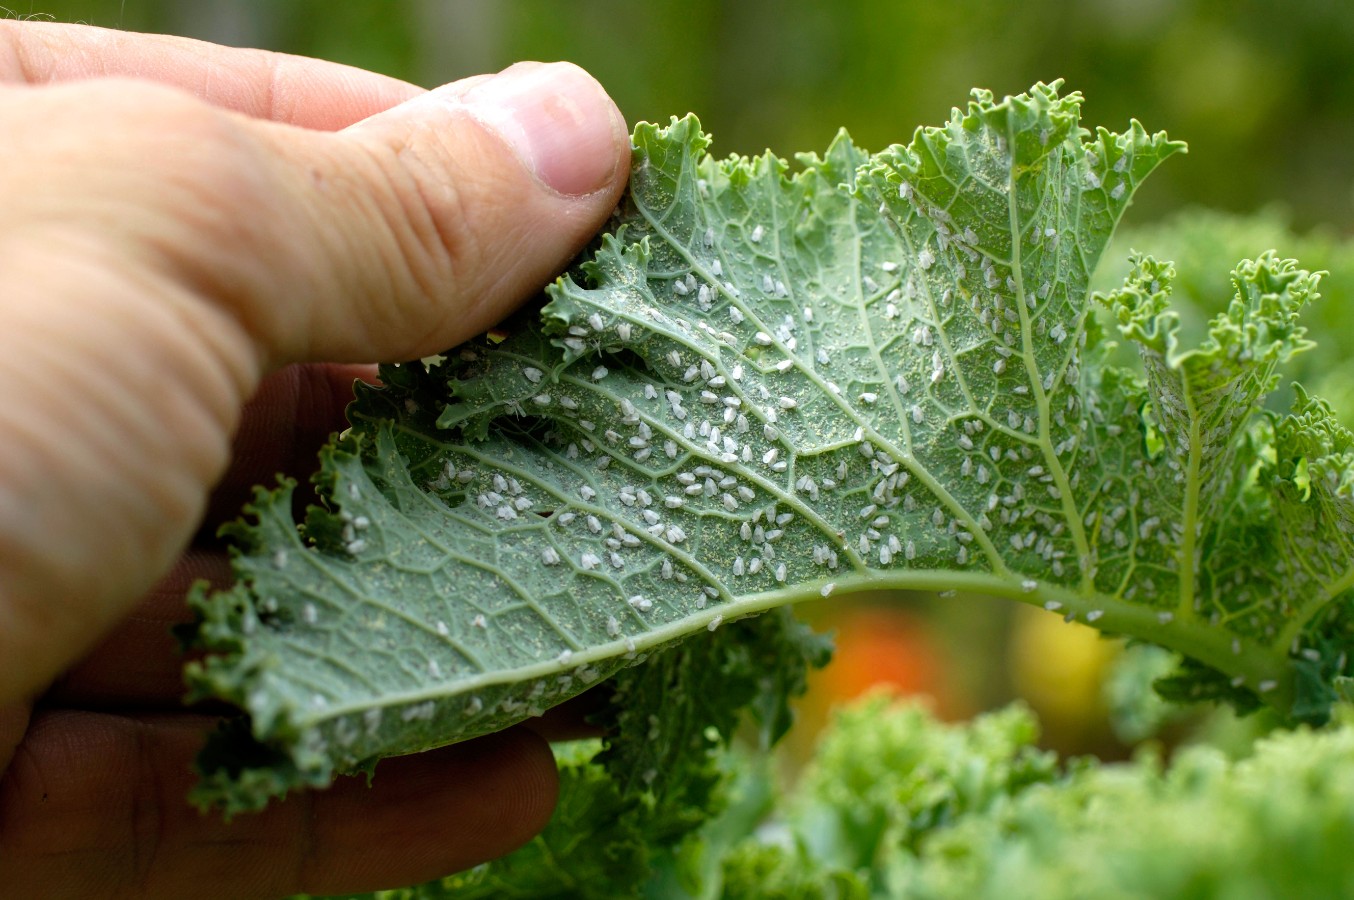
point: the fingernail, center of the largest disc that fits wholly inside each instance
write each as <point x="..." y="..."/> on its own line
<point x="557" y="119"/>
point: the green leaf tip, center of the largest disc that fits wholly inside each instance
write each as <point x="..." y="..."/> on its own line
<point x="764" y="385"/>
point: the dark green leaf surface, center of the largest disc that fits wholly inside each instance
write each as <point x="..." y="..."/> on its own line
<point x="762" y="387"/>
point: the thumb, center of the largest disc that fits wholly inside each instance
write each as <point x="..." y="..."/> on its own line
<point x="425" y="224"/>
<point x="158" y="254"/>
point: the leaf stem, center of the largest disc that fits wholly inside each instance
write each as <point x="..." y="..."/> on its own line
<point x="1055" y="466"/>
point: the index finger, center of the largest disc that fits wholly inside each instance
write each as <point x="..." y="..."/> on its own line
<point x="261" y="84"/>
<point x="93" y="806"/>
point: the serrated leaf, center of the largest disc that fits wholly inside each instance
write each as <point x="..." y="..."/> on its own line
<point x="760" y="387"/>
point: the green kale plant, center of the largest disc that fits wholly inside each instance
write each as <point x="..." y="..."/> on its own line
<point x="1204" y="244"/>
<point x="762" y="386"/>
<point x="896" y="804"/>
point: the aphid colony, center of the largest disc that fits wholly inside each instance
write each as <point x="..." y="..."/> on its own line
<point x="732" y="422"/>
<point x="489" y="709"/>
<point x="718" y="402"/>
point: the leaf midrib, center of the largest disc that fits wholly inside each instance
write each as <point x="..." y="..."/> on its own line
<point x="1253" y="660"/>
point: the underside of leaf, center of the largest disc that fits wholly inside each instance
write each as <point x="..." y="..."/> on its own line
<point x="759" y="387"/>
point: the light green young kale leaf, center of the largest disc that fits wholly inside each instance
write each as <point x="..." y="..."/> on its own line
<point x="880" y="371"/>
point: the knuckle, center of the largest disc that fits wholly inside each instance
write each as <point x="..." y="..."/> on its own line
<point x="426" y="212"/>
<point x="433" y="207"/>
<point x="473" y="210"/>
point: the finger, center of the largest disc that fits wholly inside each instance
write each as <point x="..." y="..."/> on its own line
<point x="93" y="805"/>
<point x="137" y="665"/>
<point x="305" y="92"/>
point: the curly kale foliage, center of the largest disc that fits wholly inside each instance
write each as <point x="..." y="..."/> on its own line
<point x="897" y="804"/>
<point x="762" y="386"/>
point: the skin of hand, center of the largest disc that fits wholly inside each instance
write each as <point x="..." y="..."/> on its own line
<point x="199" y="248"/>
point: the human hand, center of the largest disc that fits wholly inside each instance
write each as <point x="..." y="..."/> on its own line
<point x="182" y="227"/>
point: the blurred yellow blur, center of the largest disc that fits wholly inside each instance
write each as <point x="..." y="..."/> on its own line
<point x="1059" y="668"/>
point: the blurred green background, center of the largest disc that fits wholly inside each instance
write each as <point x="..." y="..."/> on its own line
<point x="1263" y="92"/>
